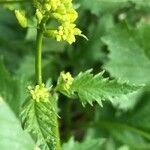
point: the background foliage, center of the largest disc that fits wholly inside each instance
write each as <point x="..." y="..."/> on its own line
<point x="119" y="34"/>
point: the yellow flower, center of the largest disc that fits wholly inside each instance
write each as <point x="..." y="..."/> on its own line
<point x="54" y="4"/>
<point x="64" y="13"/>
<point x="67" y="32"/>
<point x="39" y="15"/>
<point x="70" y="16"/>
<point x="39" y="93"/>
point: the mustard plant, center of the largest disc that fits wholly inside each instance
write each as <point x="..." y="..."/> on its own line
<point x="40" y="115"/>
<point x="43" y="122"/>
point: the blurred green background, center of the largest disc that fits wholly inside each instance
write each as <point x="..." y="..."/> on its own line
<point x="119" y="42"/>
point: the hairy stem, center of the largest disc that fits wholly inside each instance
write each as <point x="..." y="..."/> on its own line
<point x="38" y="57"/>
<point x="38" y="73"/>
<point x="57" y="135"/>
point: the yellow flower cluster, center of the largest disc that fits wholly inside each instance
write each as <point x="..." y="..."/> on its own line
<point x="39" y="93"/>
<point x="65" y="81"/>
<point x="67" y="33"/>
<point x="64" y="13"/>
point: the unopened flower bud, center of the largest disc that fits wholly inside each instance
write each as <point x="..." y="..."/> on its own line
<point x="21" y="18"/>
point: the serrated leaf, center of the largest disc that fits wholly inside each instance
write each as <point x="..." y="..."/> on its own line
<point x="90" y="88"/>
<point x="11" y="134"/>
<point x="89" y="144"/>
<point x="39" y="118"/>
<point x="127" y="58"/>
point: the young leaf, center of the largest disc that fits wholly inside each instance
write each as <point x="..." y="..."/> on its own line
<point x="91" y="88"/>
<point x="11" y="134"/>
<point x="39" y="119"/>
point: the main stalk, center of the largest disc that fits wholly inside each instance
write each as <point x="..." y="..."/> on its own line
<point x="38" y="74"/>
<point x="38" y="57"/>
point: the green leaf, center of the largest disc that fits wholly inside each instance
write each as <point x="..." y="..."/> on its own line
<point x="143" y="35"/>
<point x="127" y="102"/>
<point x="139" y="117"/>
<point x="89" y="88"/>
<point x="100" y="6"/>
<point x="88" y="144"/>
<point x="39" y="118"/>
<point x="10" y="89"/>
<point x="127" y="58"/>
<point x="128" y="128"/>
<point x="11" y="134"/>
<point x="111" y="6"/>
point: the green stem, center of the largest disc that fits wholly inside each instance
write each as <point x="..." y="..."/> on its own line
<point x="38" y="72"/>
<point x="38" y="57"/>
<point x="57" y="135"/>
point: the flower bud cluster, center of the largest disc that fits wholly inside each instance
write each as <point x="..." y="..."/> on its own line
<point x="64" y="13"/>
<point x="39" y="93"/>
<point x="20" y="15"/>
<point x="65" y="81"/>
